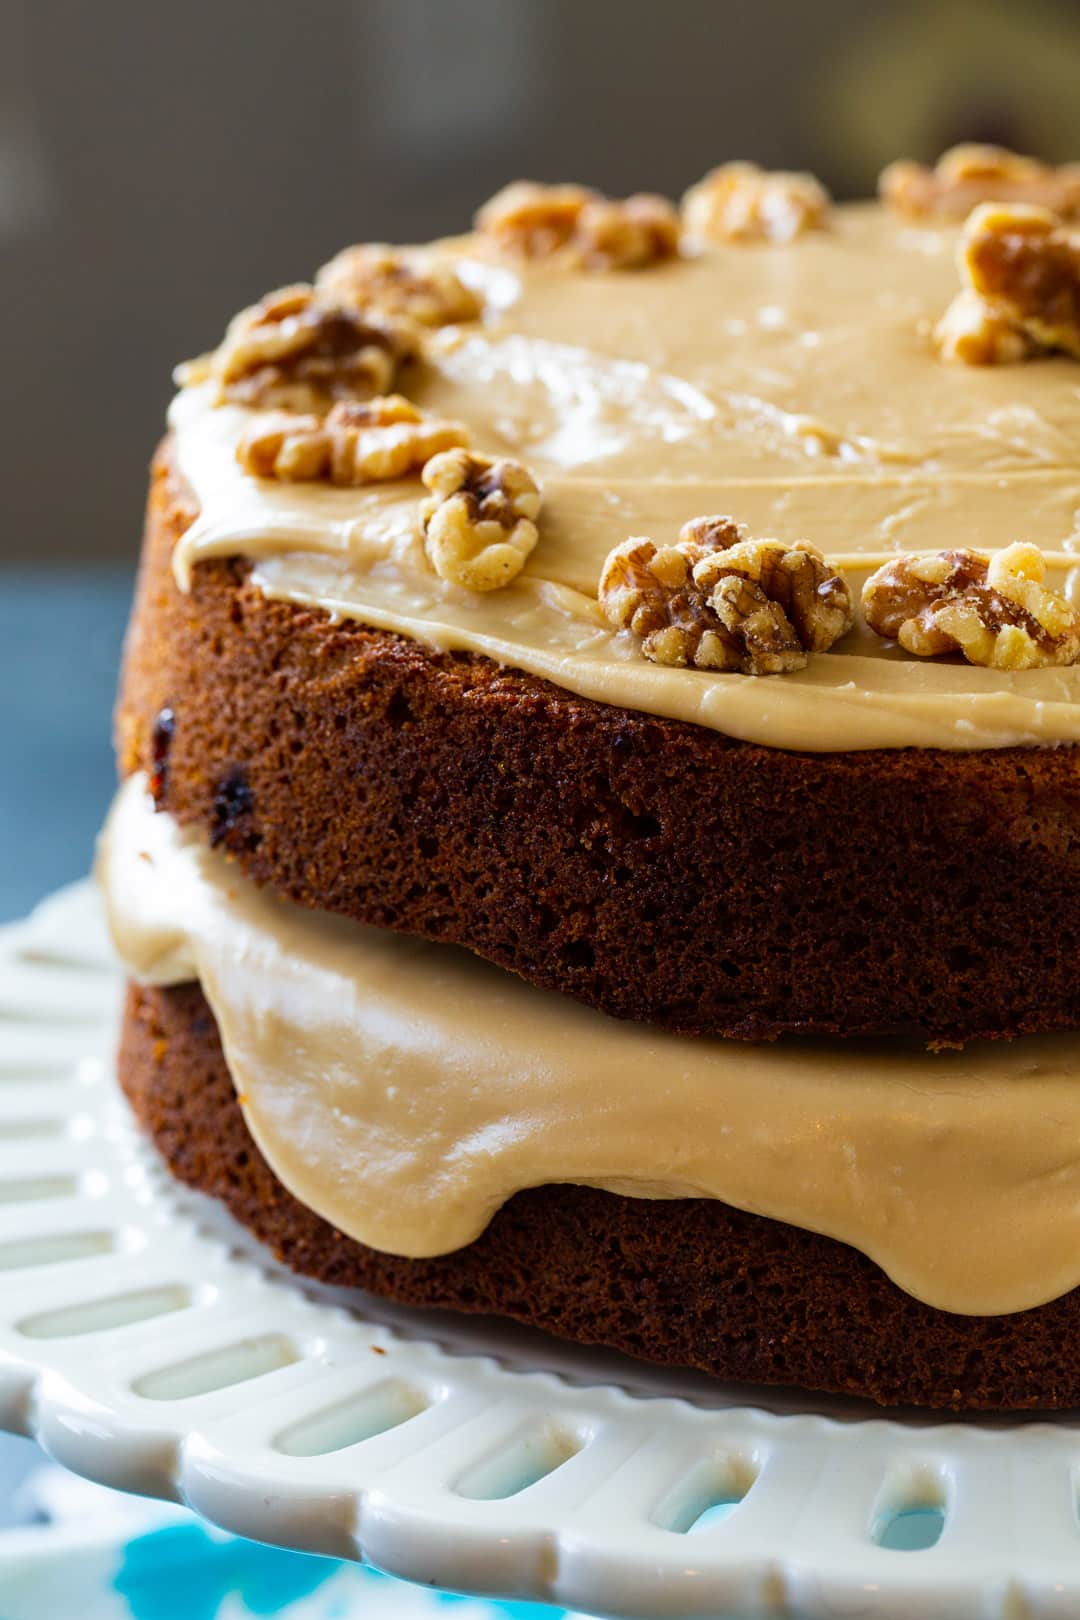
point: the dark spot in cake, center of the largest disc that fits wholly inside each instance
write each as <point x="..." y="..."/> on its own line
<point x="161" y="739"/>
<point x="633" y="825"/>
<point x="578" y="953"/>
<point x="546" y="919"/>
<point x="398" y="710"/>
<point x="233" y="801"/>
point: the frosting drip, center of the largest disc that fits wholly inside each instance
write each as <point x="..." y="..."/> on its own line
<point x="795" y="388"/>
<point x="404" y="1091"/>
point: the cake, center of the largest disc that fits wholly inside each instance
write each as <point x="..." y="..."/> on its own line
<point x="600" y="831"/>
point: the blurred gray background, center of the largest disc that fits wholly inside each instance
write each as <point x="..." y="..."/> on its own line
<point x="160" y="166"/>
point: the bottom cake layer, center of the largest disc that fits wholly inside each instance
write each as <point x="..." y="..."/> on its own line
<point x="685" y="1282"/>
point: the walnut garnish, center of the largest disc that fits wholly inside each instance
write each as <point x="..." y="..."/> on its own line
<point x="578" y="227"/>
<point x="401" y="281"/>
<point x="741" y="202"/>
<point x="360" y="442"/>
<point x="531" y="220"/>
<point x="716" y="600"/>
<point x="480" y="521"/>
<point x="971" y="174"/>
<point x="298" y="351"/>
<point x="626" y="235"/>
<point x="998" y="613"/>
<point x="1026" y="264"/>
<point x="973" y="331"/>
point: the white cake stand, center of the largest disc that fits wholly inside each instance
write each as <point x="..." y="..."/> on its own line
<point x="148" y="1344"/>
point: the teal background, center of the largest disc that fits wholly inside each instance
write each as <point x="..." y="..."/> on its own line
<point x="60" y="636"/>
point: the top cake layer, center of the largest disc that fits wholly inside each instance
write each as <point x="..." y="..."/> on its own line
<point x="856" y="845"/>
<point x="795" y="386"/>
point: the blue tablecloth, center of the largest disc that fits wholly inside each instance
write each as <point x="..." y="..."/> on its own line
<point x="91" y="1554"/>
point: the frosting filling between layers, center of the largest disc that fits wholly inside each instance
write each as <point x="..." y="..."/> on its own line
<point x="404" y="1091"/>
<point x="793" y="387"/>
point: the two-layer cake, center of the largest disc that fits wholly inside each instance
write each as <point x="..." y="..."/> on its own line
<point x="601" y="837"/>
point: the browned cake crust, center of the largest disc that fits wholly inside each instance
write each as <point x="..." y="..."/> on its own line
<point x="688" y="1283"/>
<point x="648" y="867"/>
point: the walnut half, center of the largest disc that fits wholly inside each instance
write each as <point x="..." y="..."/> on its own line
<point x="1026" y="264"/>
<point x="533" y="221"/>
<point x="716" y="600"/>
<point x="580" y="228"/>
<point x="360" y="442"/>
<point x="479" y="523"/>
<point x="739" y="202"/>
<point x="295" y="350"/>
<point x="970" y="174"/>
<point x="973" y="331"/>
<point x="998" y="613"/>
<point x="400" y="281"/>
<point x="626" y="235"/>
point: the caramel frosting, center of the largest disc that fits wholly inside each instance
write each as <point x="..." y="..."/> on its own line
<point x="404" y="1091"/>
<point x="794" y="387"/>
